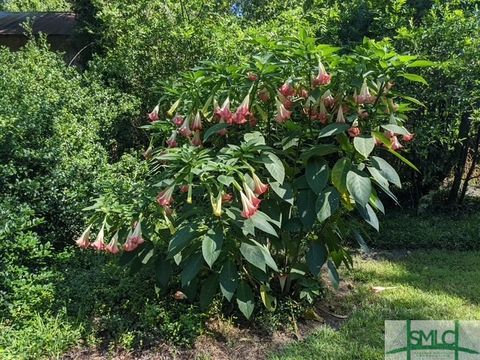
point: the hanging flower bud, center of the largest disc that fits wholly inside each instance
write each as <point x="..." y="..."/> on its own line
<point x="392" y="105"/>
<point x="153" y="116"/>
<point x="243" y="111"/>
<point x="164" y="198"/>
<point x="260" y="187"/>
<point x="389" y="134"/>
<point x="251" y="195"/>
<point x="252" y="76"/>
<point x="395" y="144"/>
<point x="172" y="140"/>
<point x="148" y="153"/>
<point x="340" y="117"/>
<point x="354" y="131"/>
<point x="83" y="241"/>
<point x="99" y="243"/>
<point x="224" y="111"/>
<point x="184" y="188"/>
<point x="282" y="113"/>
<point x="135" y="238"/>
<point x="408" y="137"/>
<point x="287" y="89"/>
<point x="365" y="97"/>
<point x="197" y="122"/>
<point x="178" y="120"/>
<point x="184" y="130"/>
<point x="264" y="95"/>
<point x="285" y="101"/>
<point x="227" y="198"/>
<point x="196" y="140"/>
<point x="328" y="99"/>
<point x="303" y="93"/>
<point x="217" y="204"/>
<point x="112" y="246"/>
<point x="248" y="208"/>
<point x="323" y="78"/>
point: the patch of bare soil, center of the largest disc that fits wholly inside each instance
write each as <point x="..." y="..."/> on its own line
<point x="225" y="341"/>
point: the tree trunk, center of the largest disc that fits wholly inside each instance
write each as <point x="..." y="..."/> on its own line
<point x="472" y="167"/>
<point x="461" y="153"/>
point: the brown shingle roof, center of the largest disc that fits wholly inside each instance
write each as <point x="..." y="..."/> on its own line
<point x="50" y="23"/>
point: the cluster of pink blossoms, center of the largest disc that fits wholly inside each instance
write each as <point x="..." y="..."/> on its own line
<point x="134" y="239"/>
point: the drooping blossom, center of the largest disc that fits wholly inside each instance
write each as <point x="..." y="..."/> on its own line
<point x="303" y="93"/>
<point x="184" y="188"/>
<point x="282" y="113"/>
<point x="264" y="95"/>
<point x="252" y="197"/>
<point x="287" y="89"/>
<point x="153" y="116"/>
<point x="243" y="111"/>
<point x="252" y="76"/>
<point x="259" y="187"/>
<point x="389" y="134"/>
<point x="354" y="131"/>
<point x="340" y="116"/>
<point x="99" y="243"/>
<point x="112" y="246"/>
<point x="197" y="122"/>
<point x="164" y="198"/>
<point x="395" y="144"/>
<point x="224" y="112"/>
<point x="328" y="99"/>
<point x="285" y="101"/>
<point x="392" y="105"/>
<point x="172" y="140"/>
<point x="322" y="114"/>
<point x="83" y="241"/>
<point x="248" y="208"/>
<point x="179" y="295"/>
<point x="178" y="120"/>
<point x="365" y="97"/>
<point x="323" y="78"/>
<point x="227" y="198"/>
<point x="196" y="140"/>
<point x="408" y="137"/>
<point x="217" y="204"/>
<point x="135" y="238"/>
<point x="185" y="130"/>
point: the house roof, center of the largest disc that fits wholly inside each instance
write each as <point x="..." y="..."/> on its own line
<point x="50" y="23"/>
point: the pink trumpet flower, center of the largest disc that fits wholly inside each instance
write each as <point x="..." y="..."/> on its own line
<point x="340" y="117"/>
<point x="197" y="122"/>
<point x="178" y="120"/>
<point x="285" y="101"/>
<point x="248" y="208"/>
<point x="408" y="137"/>
<point x="395" y="144"/>
<point x="196" y="140"/>
<point x="323" y="78"/>
<point x="322" y="115"/>
<point x="172" y="140"/>
<point x="365" y="97"/>
<point x="153" y="116"/>
<point x="112" y="246"/>
<point x="184" y="130"/>
<point x="287" y="89"/>
<point x="164" y="198"/>
<point x="99" y="243"/>
<point x="252" y="76"/>
<point x="184" y="188"/>
<point x="243" y="111"/>
<point x="251" y="195"/>
<point x="227" y="198"/>
<point x="354" y="131"/>
<point x="260" y="187"/>
<point x="134" y="239"/>
<point x="224" y="111"/>
<point x="282" y="113"/>
<point x="328" y="99"/>
<point x="83" y="241"/>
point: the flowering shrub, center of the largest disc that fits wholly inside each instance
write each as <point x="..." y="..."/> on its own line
<point x="259" y="172"/>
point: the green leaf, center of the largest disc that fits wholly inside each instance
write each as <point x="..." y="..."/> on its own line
<point x="378" y="177"/>
<point x="228" y="279"/>
<point x="268" y="300"/>
<point x="275" y="167"/>
<point x="317" y="174"/>
<point x="368" y="214"/>
<point x="208" y="291"/>
<point x="396" y="129"/>
<point x="260" y="221"/>
<point x="333" y="274"/>
<point x="254" y="137"/>
<point x="213" y="129"/>
<point x="254" y="255"/>
<point x="180" y="240"/>
<point x="414" y="77"/>
<point x="421" y="63"/>
<point x="386" y="170"/>
<point x="316" y="257"/>
<point x="339" y="174"/>
<point x="364" y="145"/>
<point x="284" y="191"/>
<point x="413" y="100"/>
<point x="327" y="203"/>
<point x="319" y="150"/>
<point x="359" y="186"/>
<point x="333" y="129"/>
<point x="225" y="180"/>
<point x="306" y="207"/>
<point x="191" y="267"/>
<point x="268" y="257"/>
<point x="245" y="299"/>
<point x="406" y="161"/>
<point x="212" y="245"/>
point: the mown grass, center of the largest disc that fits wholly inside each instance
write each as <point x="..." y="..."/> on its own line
<point x="425" y="285"/>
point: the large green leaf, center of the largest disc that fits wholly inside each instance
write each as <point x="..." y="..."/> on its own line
<point x="359" y="186"/>
<point x="245" y="299"/>
<point x="414" y="77"/>
<point x="386" y="170"/>
<point x="212" y="245"/>
<point x="208" y="291"/>
<point x="316" y="257"/>
<point x="369" y="216"/>
<point x="275" y="167"/>
<point x="228" y="279"/>
<point x="191" y="267"/>
<point x="396" y="129"/>
<point x="319" y="150"/>
<point x="333" y="274"/>
<point x="213" y="129"/>
<point x="260" y="221"/>
<point x="306" y="207"/>
<point x="268" y="257"/>
<point x="317" y="174"/>
<point x="333" y="129"/>
<point x="421" y="63"/>
<point x="284" y="191"/>
<point x="364" y="145"/>
<point x="254" y="255"/>
<point x="180" y="240"/>
<point x="327" y="203"/>
<point x="339" y="174"/>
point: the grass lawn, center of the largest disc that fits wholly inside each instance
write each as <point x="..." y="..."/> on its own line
<point x="425" y="285"/>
